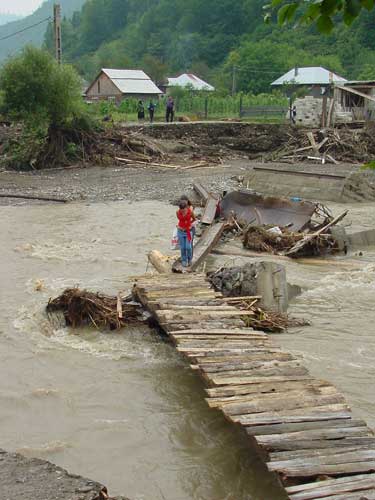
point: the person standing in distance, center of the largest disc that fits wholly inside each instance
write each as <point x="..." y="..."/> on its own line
<point x="169" y="116"/>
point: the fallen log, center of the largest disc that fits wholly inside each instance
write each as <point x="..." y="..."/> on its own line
<point x="159" y="261"/>
<point x="33" y="197"/>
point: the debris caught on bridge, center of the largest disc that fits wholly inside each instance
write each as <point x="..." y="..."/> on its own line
<point x="81" y="308"/>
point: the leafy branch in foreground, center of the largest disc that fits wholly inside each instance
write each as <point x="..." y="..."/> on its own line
<point x="323" y="13"/>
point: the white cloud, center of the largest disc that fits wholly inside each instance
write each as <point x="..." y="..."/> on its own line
<point x="24" y="7"/>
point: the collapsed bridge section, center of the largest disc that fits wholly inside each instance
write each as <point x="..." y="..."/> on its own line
<point x="303" y="425"/>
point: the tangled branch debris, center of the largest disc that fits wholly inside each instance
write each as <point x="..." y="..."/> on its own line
<point x="261" y="239"/>
<point x="81" y="308"/>
<point x="327" y="145"/>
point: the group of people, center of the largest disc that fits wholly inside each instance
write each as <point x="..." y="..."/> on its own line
<point x="169" y="111"/>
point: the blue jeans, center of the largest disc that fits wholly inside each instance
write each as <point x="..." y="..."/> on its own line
<point x="186" y="247"/>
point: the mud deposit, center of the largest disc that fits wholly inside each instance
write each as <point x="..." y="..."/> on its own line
<point x="26" y="478"/>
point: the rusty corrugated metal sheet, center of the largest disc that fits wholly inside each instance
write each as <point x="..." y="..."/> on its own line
<point x="250" y="206"/>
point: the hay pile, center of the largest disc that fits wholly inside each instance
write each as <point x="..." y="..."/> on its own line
<point x="81" y="308"/>
<point x="260" y="239"/>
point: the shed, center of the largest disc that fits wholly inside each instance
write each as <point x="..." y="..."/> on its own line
<point x="119" y="84"/>
<point x="190" y="80"/>
<point x="314" y="109"/>
<point x="355" y="100"/>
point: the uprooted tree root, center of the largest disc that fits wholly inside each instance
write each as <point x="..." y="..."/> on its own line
<point x="81" y="308"/>
<point x="79" y="141"/>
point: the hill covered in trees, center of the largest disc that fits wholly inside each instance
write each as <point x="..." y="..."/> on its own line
<point x="10" y="45"/>
<point x="213" y="38"/>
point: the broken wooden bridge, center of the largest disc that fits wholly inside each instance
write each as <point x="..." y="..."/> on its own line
<point x="304" y="425"/>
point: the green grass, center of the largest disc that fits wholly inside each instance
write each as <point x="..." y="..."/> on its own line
<point x="194" y="108"/>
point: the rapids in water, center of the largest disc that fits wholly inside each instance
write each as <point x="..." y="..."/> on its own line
<point x="123" y="408"/>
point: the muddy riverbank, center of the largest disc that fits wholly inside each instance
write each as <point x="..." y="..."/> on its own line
<point x="24" y="478"/>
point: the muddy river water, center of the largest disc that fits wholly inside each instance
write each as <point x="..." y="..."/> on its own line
<point x="123" y="408"/>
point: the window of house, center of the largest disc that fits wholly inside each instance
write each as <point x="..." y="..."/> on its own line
<point x="98" y="86"/>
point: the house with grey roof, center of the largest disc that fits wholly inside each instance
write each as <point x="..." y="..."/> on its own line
<point x="188" y="80"/>
<point x="119" y="84"/>
<point x="317" y="107"/>
<point x="309" y="76"/>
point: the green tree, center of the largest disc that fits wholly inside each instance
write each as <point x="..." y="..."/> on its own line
<point x="323" y="13"/>
<point x="46" y="98"/>
<point x="34" y="87"/>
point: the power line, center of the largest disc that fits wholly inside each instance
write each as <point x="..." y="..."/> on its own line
<point x="25" y="29"/>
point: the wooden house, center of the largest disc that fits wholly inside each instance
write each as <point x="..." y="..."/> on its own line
<point x="118" y="84"/>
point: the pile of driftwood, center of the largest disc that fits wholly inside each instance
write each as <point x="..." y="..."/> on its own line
<point x="261" y="239"/>
<point x="81" y="308"/>
<point x="293" y="244"/>
<point x="325" y="146"/>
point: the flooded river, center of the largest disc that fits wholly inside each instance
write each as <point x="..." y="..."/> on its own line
<point x="123" y="408"/>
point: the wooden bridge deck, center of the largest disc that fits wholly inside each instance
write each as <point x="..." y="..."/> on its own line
<point x="304" y="424"/>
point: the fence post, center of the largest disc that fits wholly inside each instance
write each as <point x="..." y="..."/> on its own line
<point x="206" y="108"/>
<point x="240" y="106"/>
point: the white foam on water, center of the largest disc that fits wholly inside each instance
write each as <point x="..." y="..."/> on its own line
<point x="45" y="449"/>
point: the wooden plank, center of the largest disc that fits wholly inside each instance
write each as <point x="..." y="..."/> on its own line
<point x="166" y="316"/>
<point x="360" y="495"/>
<point x="329" y="459"/>
<point x="265" y="404"/>
<point x="218" y="336"/>
<point x="180" y="339"/>
<point x="330" y="469"/>
<point x="207" y="242"/>
<point x="274" y="440"/>
<point x="307" y="414"/>
<point x="209" y="212"/>
<point x="306" y="445"/>
<point x="312" y="452"/>
<point x="186" y="307"/>
<point x="302" y="426"/>
<point x="201" y="191"/>
<point x="319" y="489"/>
<point x="252" y="356"/>
<point x="264" y="387"/>
<point x="271" y="396"/>
<point x="226" y="331"/>
<point x="246" y="376"/>
<point x="247" y="365"/>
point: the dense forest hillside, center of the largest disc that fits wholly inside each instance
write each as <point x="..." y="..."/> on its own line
<point x="35" y="35"/>
<point x="213" y="38"/>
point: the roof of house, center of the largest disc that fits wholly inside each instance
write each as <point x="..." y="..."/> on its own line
<point x="132" y="81"/>
<point x="188" y="79"/>
<point x="309" y="76"/>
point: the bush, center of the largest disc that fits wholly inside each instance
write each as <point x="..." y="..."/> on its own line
<point x="46" y="98"/>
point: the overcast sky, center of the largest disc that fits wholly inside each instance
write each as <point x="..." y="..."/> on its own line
<point x="19" y="6"/>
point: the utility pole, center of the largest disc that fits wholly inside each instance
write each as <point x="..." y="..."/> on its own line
<point x="234" y="80"/>
<point x="57" y="28"/>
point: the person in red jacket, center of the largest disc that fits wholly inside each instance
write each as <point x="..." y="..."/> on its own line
<point x="185" y="217"/>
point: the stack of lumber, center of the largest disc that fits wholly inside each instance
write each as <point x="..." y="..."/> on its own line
<point x="303" y="424"/>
